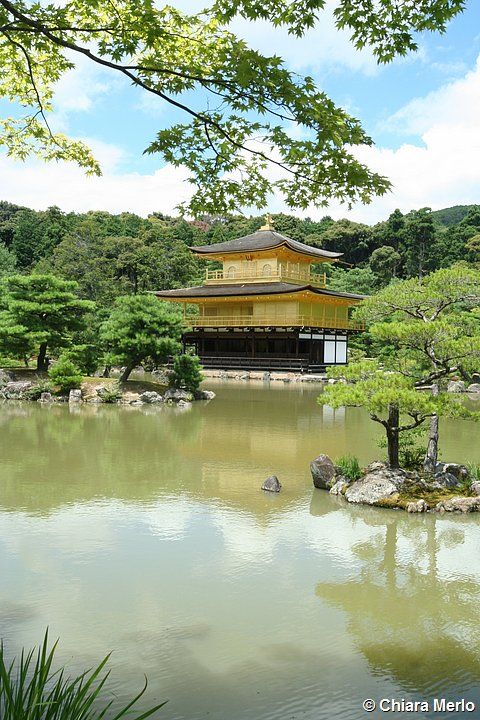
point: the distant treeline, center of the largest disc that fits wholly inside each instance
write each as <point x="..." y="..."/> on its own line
<point x="112" y="255"/>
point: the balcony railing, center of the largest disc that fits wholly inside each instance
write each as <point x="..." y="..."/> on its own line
<point x="213" y="277"/>
<point x="214" y="321"/>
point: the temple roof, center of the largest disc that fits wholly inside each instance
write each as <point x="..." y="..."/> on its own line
<point x="263" y="240"/>
<point x="273" y="288"/>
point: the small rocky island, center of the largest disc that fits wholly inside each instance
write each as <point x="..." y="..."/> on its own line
<point x="98" y="390"/>
<point x="449" y="489"/>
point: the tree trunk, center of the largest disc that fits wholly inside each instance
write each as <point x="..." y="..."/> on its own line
<point x="42" y="362"/>
<point x="431" y="456"/>
<point x="420" y="260"/>
<point x="106" y="371"/>
<point x="126" y="373"/>
<point x="393" y="436"/>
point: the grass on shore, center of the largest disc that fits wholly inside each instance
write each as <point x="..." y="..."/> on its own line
<point x="132" y="385"/>
<point x="416" y="492"/>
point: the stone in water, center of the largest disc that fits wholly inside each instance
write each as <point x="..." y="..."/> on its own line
<point x="272" y="484"/>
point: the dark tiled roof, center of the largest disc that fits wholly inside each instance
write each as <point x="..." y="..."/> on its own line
<point x="275" y="288"/>
<point x="263" y="240"/>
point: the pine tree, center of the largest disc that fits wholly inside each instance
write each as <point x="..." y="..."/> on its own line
<point x="42" y="310"/>
<point x="140" y="327"/>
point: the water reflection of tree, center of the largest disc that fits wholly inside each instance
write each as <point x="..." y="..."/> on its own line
<point x="51" y="457"/>
<point x="56" y="455"/>
<point x="412" y="625"/>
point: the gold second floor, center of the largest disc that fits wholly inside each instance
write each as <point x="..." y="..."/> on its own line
<point x="265" y="313"/>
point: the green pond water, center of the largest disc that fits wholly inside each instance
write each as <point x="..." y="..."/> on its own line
<point x="144" y="531"/>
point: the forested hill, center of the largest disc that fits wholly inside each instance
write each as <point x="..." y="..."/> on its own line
<point x="452" y="215"/>
<point x="110" y="255"/>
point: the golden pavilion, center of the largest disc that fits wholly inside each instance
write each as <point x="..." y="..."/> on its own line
<point x="266" y="309"/>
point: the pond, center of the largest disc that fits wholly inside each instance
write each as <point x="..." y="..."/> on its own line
<point x="144" y="531"/>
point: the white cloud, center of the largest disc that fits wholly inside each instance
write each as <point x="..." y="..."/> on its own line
<point x="39" y="185"/>
<point x="440" y="170"/>
<point x="322" y="47"/>
<point x="456" y="102"/>
<point x="78" y="90"/>
<point x="443" y="169"/>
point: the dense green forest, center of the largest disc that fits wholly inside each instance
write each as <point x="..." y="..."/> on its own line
<point x="66" y="277"/>
<point x="112" y="255"/>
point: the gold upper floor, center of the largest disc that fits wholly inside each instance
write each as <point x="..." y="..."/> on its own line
<point x="268" y="269"/>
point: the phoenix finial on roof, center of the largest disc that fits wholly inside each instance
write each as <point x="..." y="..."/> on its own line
<point x="268" y="223"/>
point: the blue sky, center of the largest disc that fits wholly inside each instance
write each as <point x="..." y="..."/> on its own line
<point x="422" y="111"/>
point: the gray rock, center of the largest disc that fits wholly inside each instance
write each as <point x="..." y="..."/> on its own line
<point x="6" y="377"/>
<point x="323" y="472"/>
<point x="204" y="395"/>
<point x="444" y="480"/>
<point x="45" y="397"/>
<point x="150" y="397"/>
<point x="184" y="404"/>
<point x="370" y="490"/>
<point x="474" y="388"/>
<point x="460" y="472"/>
<point x="101" y="391"/>
<point x="266" y="376"/>
<point x="475" y="487"/>
<point x="340" y="486"/>
<point x="456" y="386"/>
<point x="272" y="484"/>
<point x="459" y="504"/>
<point x="176" y="395"/>
<point x="475" y="377"/>
<point x="137" y="403"/>
<point x="129" y="397"/>
<point x="419" y="506"/>
<point x="162" y="375"/>
<point x="378" y="485"/>
<point x="375" y="466"/>
<point x="16" y="389"/>
<point x="75" y="396"/>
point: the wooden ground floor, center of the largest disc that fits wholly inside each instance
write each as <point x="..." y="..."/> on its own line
<point x="301" y="349"/>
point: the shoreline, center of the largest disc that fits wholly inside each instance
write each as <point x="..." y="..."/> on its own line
<point x="265" y="375"/>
